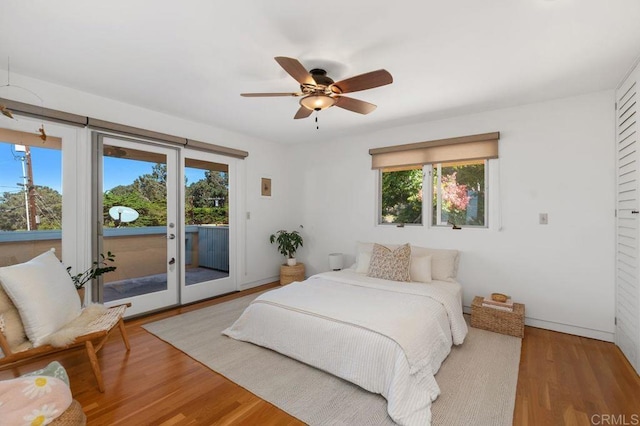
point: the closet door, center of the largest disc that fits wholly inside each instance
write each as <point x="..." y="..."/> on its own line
<point x="628" y="208"/>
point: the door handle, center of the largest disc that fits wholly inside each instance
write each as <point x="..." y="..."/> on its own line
<point x="634" y="212"/>
<point x="172" y="236"/>
<point x="172" y="261"/>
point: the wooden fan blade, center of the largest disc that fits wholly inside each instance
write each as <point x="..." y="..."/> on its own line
<point x="363" y="82"/>
<point x="259" y="95"/>
<point x="302" y="113"/>
<point x="296" y="70"/>
<point x="354" y="105"/>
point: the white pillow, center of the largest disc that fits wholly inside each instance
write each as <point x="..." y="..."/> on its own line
<point x="44" y="294"/>
<point x="444" y="262"/>
<point x="363" y="261"/>
<point x="363" y="256"/>
<point x="420" y="269"/>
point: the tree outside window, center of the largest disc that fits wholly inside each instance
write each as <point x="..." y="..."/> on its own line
<point x="401" y="197"/>
<point x="459" y="194"/>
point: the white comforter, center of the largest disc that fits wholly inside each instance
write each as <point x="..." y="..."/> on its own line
<point x="385" y="336"/>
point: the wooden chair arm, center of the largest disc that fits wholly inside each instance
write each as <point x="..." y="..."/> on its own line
<point x="4" y="345"/>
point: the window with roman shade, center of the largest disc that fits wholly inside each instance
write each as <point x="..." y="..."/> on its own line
<point x="450" y="174"/>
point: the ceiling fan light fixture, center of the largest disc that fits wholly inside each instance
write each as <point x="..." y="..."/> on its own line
<point x="317" y="102"/>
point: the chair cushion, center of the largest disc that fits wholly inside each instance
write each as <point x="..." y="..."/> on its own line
<point x="43" y="293"/>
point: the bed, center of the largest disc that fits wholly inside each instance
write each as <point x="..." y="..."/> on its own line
<point x="388" y="337"/>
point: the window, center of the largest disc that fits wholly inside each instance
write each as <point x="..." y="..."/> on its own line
<point x="30" y="195"/>
<point x="457" y="185"/>
<point x="459" y="194"/>
<point x="401" y="196"/>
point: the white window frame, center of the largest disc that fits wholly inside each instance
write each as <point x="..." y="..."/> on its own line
<point x="378" y="214"/>
<point x="437" y="168"/>
<point x="75" y="186"/>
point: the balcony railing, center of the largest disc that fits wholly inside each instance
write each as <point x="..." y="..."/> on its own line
<point x="139" y="251"/>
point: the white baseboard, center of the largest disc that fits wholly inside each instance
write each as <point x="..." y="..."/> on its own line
<point x="607" y="336"/>
<point x="252" y="284"/>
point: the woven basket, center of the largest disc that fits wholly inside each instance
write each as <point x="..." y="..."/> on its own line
<point x="510" y="323"/>
<point x="73" y="416"/>
<point x="289" y="274"/>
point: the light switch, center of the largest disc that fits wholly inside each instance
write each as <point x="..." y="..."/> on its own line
<point x="544" y="219"/>
<point x="248" y="215"/>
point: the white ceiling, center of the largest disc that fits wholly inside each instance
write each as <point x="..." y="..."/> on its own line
<point x="192" y="59"/>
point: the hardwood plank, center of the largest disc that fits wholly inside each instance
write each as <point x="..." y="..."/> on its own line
<point x="563" y="379"/>
<point x="567" y="379"/>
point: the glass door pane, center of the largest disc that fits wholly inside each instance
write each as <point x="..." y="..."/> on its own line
<point x="139" y="224"/>
<point x="208" y="235"/>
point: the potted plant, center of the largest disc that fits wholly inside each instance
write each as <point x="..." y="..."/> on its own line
<point x="288" y="243"/>
<point x="98" y="267"/>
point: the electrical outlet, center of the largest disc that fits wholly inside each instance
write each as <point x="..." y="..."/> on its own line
<point x="544" y="219"/>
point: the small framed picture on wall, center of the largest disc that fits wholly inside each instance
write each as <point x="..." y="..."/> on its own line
<point x="265" y="187"/>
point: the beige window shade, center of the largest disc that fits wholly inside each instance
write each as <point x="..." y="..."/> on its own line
<point x="94" y="123"/>
<point x="41" y="112"/>
<point x="217" y="149"/>
<point x="162" y="137"/>
<point x="474" y="147"/>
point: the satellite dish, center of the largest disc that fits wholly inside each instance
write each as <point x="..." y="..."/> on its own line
<point x="123" y="214"/>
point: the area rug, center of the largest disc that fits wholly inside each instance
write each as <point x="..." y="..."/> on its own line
<point x="478" y="380"/>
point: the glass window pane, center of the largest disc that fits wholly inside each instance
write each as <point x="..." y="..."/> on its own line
<point x="30" y="196"/>
<point x="206" y="221"/>
<point x="401" y="198"/>
<point x="459" y="194"/>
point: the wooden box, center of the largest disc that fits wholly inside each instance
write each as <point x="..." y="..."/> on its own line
<point x="499" y="321"/>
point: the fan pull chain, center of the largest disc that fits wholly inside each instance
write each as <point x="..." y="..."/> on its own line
<point x="317" y="125"/>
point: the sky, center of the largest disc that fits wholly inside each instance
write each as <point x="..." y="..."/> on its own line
<point x="46" y="166"/>
<point x="47" y="169"/>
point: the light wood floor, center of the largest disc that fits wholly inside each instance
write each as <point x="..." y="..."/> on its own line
<point x="563" y="379"/>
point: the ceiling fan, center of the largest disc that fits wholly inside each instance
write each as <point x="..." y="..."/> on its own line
<point x="320" y="92"/>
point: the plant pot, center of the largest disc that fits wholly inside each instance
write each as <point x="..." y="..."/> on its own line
<point x="81" y="292"/>
<point x="291" y="261"/>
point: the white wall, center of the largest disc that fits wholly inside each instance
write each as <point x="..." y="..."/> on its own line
<point x="258" y="261"/>
<point x="555" y="157"/>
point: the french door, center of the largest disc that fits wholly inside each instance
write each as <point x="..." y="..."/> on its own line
<point x="136" y="204"/>
<point x="209" y="205"/>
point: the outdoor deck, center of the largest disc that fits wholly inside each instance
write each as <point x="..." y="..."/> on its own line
<point x="141" y="255"/>
<point x="116" y="290"/>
